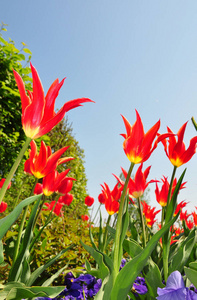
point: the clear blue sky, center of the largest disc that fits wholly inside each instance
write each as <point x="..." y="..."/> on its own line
<point x="123" y="55"/>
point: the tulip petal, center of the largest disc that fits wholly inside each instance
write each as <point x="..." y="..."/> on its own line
<point x="45" y="128"/>
<point x="25" y="101"/>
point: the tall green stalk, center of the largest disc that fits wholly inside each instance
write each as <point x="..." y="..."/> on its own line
<point x="105" y="234"/>
<point x="142" y="222"/>
<point x="166" y="238"/>
<point x="14" y="168"/>
<point x="119" y="225"/>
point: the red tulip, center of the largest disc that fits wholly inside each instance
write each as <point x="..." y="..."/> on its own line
<point x="180" y="206"/>
<point x="111" y="198"/>
<point x="194" y="214"/>
<point x="3" y="206"/>
<point x="38" y="114"/>
<point x="189" y="224"/>
<point x="2" y="182"/>
<point x="38" y="189"/>
<point x="149" y="213"/>
<point x="184" y="215"/>
<point x="137" y="186"/>
<point x="101" y="198"/>
<point x="89" y="201"/>
<point x="57" y="209"/>
<point x="66" y="199"/>
<point x="85" y="217"/>
<point x="45" y="162"/>
<point x="57" y="182"/>
<point x="137" y="145"/>
<point x="162" y="195"/>
<point x="175" y="149"/>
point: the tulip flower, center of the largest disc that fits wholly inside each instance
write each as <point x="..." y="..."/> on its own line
<point x="180" y="206"/>
<point x="184" y="215"/>
<point x="137" y="186"/>
<point x="137" y="145"/>
<point x="194" y="214"/>
<point x="111" y="198"/>
<point x="27" y="169"/>
<point x="66" y="199"/>
<point x="85" y="217"/>
<point x="65" y="186"/>
<point x="175" y="149"/>
<point x="38" y="115"/>
<point x="89" y="201"/>
<point x="189" y="224"/>
<point x="101" y="198"/>
<point x="56" y="210"/>
<point x="2" y="182"/>
<point x="149" y="214"/>
<point x="3" y="206"/>
<point x="162" y="195"/>
<point x="57" y="182"/>
<point x="38" y="189"/>
<point x="45" y="162"/>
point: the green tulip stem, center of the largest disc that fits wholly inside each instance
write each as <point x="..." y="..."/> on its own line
<point x="14" y="168"/>
<point x="105" y="234"/>
<point x="171" y="184"/>
<point x="119" y="225"/>
<point x="194" y="123"/>
<point x="165" y="239"/>
<point x="142" y="222"/>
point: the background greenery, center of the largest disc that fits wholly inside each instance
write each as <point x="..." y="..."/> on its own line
<point x="62" y="231"/>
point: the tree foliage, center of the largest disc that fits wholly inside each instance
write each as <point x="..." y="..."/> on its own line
<point x="11" y="133"/>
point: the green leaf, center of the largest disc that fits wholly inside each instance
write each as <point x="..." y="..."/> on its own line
<point x="91" y="238"/>
<point x="100" y="233"/>
<point x="105" y="289"/>
<point x="103" y="270"/>
<point x="125" y="224"/>
<point x="54" y="276"/>
<point x="6" y="222"/>
<point x="41" y="269"/>
<point x="131" y="270"/>
<point x="3" y="41"/>
<point x="17" y="266"/>
<point x="17" y="291"/>
<point x="1" y="252"/>
<point x="27" y="51"/>
<point x="181" y="257"/>
<point x="191" y="275"/>
<point x="193" y="265"/>
<point x="132" y="247"/>
<point x="153" y="279"/>
<point x="173" y="202"/>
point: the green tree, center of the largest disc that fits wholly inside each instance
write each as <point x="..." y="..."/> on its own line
<point x="11" y="133"/>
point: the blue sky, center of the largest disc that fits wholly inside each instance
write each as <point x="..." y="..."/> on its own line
<point x="123" y="55"/>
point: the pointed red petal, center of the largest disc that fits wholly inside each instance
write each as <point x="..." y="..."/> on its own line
<point x="50" y="100"/>
<point x="38" y="103"/>
<point x="25" y="101"/>
<point x="45" y="128"/>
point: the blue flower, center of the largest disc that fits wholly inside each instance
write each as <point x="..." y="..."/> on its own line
<point x="123" y="262"/>
<point x="139" y="286"/>
<point x="175" y="289"/>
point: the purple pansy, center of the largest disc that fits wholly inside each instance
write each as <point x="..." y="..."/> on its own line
<point x="175" y="289"/>
<point x="139" y="286"/>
